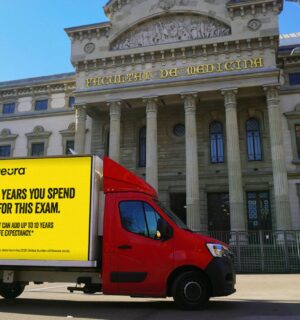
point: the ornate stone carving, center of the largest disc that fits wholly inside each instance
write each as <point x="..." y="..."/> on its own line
<point x="89" y="47"/>
<point x="171" y="28"/>
<point x="166" y="4"/>
<point x="5" y="133"/>
<point x="254" y="24"/>
<point x="38" y="129"/>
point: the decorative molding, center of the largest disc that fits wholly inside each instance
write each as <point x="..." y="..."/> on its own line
<point x="254" y="24"/>
<point x="96" y="31"/>
<point x="38" y="132"/>
<point x="6" y="135"/>
<point x="39" y="89"/>
<point x="245" y="8"/>
<point x="157" y="55"/>
<point x="166" y="4"/>
<point x="115" y="6"/>
<point x="89" y="48"/>
<point x="170" y="29"/>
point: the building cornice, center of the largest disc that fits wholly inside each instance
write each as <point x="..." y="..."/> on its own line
<point x="37" y="86"/>
<point x="191" y="49"/>
<point x="96" y="30"/>
<point x="252" y="7"/>
<point x="235" y="8"/>
<point x="36" y="114"/>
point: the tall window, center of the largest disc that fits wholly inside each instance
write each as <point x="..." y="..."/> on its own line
<point x="69" y="146"/>
<point x="37" y="149"/>
<point x="294" y="79"/>
<point x="41" y="105"/>
<point x="216" y="142"/>
<point x="297" y="129"/>
<point x="8" y="108"/>
<point x="71" y="102"/>
<point x="142" y="147"/>
<point x="253" y="140"/>
<point x="5" y="151"/>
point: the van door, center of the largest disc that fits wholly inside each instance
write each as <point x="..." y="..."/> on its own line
<point x="144" y="259"/>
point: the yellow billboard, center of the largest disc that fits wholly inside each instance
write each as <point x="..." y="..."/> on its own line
<point x="45" y="207"/>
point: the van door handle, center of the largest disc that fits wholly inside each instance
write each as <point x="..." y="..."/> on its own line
<point x="124" y="246"/>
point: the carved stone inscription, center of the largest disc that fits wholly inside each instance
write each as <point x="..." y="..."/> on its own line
<point x="171" y="28"/>
<point x="188" y="71"/>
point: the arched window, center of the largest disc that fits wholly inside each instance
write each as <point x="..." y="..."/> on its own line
<point x="253" y="140"/>
<point x="216" y="142"/>
<point x="142" y="147"/>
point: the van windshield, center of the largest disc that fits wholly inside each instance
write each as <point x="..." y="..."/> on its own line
<point x="172" y="216"/>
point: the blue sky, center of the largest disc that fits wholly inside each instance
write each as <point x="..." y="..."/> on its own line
<point x="33" y="42"/>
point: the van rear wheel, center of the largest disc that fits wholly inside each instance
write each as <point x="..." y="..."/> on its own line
<point x="11" y="290"/>
<point x="191" y="291"/>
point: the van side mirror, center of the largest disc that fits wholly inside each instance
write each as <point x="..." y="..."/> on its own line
<point x="164" y="229"/>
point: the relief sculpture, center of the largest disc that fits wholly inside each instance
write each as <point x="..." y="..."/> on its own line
<point x="170" y="29"/>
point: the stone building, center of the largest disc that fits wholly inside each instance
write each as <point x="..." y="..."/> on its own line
<point x="196" y="96"/>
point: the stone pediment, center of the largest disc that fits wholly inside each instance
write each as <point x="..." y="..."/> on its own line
<point x="169" y="29"/>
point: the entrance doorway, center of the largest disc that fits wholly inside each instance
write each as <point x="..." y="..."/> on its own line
<point x="218" y="211"/>
<point x="258" y="209"/>
<point x="178" y="205"/>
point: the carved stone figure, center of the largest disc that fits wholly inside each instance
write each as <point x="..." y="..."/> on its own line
<point x="171" y="28"/>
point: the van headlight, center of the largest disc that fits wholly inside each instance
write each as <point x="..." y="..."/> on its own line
<point x="218" y="250"/>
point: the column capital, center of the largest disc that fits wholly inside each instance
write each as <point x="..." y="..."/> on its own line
<point x="229" y="97"/>
<point x="79" y="106"/>
<point x="189" y="95"/>
<point x="80" y="128"/>
<point x="114" y="107"/>
<point x="80" y="112"/>
<point x="151" y="103"/>
<point x="272" y="92"/>
<point x="114" y="103"/>
<point x="150" y="98"/>
<point x="190" y="100"/>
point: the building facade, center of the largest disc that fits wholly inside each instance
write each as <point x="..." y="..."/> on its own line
<point x="197" y="97"/>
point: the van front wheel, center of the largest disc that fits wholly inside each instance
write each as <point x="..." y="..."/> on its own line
<point x="190" y="291"/>
<point x="11" y="290"/>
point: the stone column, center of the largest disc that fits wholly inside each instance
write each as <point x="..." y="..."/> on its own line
<point x="151" y="142"/>
<point x="80" y="128"/>
<point x="192" y="170"/>
<point x="236" y="193"/>
<point x="282" y="205"/>
<point x="114" y="130"/>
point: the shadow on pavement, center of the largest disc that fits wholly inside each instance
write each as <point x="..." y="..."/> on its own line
<point x="114" y="310"/>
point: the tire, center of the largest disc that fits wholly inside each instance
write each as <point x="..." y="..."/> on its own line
<point x="191" y="291"/>
<point x="11" y="290"/>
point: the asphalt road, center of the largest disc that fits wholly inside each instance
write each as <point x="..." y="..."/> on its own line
<point x="262" y="297"/>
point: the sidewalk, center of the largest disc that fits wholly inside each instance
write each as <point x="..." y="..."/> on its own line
<point x="271" y="287"/>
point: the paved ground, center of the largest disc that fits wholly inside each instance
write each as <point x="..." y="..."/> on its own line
<point x="262" y="297"/>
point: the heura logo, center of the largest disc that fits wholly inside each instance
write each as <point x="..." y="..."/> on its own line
<point x="12" y="171"/>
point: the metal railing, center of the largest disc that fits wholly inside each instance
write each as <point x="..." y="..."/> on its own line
<point x="263" y="251"/>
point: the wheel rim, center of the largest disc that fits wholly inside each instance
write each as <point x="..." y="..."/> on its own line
<point x="192" y="291"/>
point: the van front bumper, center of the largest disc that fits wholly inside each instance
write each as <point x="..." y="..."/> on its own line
<point x="222" y="276"/>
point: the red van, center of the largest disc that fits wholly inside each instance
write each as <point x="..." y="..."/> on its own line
<point x="143" y="249"/>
